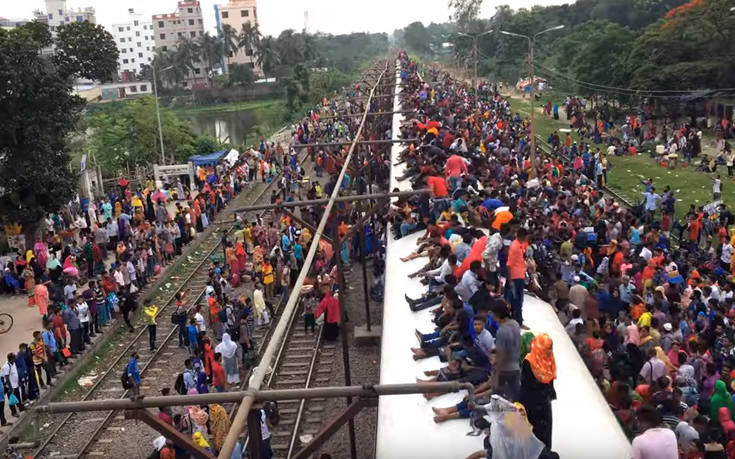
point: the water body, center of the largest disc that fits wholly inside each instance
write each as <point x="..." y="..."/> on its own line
<point x="232" y="127"/>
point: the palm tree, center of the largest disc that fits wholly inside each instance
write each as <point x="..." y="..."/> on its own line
<point x="210" y="50"/>
<point x="266" y="54"/>
<point x="249" y="37"/>
<point x="169" y="72"/>
<point x="187" y="53"/>
<point x="230" y="41"/>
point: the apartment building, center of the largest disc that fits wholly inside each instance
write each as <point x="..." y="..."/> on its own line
<point x="185" y="22"/>
<point x="236" y="14"/>
<point x="134" y="39"/>
<point x="57" y="14"/>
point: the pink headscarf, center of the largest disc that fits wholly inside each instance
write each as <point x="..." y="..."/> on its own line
<point x="631" y="334"/>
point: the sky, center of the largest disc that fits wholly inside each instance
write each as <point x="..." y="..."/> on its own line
<point x="330" y="16"/>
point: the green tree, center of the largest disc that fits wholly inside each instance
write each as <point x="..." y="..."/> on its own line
<point x="186" y="54"/>
<point x="210" y="50"/>
<point x="38" y="113"/>
<point x="230" y="42"/>
<point x="417" y="37"/>
<point x="249" y="37"/>
<point x="241" y="75"/>
<point x="206" y="144"/>
<point x="267" y="55"/>
<point x="126" y="135"/>
<point x="465" y="13"/>
<point x="85" y="50"/>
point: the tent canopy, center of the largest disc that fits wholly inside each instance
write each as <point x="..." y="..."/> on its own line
<point x="206" y="160"/>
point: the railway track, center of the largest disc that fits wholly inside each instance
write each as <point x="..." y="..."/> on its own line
<point x="99" y="434"/>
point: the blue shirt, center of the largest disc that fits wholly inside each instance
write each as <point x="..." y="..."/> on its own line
<point x="285" y="243"/>
<point x="49" y="340"/>
<point x="193" y="335"/>
<point x="492" y="203"/>
<point x="134" y="370"/>
<point x="298" y="251"/>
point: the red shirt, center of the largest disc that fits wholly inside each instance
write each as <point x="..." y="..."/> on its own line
<point x="218" y="375"/>
<point x="438" y="186"/>
<point x="331" y="305"/>
<point x="455" y="166"/>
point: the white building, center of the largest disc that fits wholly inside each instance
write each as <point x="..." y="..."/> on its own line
<point x="57" y="14"/>
<point x="134" y="39"/>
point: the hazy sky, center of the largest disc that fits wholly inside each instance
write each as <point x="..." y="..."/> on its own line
<point x="332" y="16"/>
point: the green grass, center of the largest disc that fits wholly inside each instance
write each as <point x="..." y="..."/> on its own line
<point x="690" y="186"/>
<point x="226" y="108"/>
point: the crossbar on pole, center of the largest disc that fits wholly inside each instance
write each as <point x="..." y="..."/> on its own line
<point x="315" y="202"/>
<point x="359" y="142"/>
<point x="261" y="395"/>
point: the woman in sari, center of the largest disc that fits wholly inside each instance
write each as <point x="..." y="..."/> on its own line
<point x="29" y="282"/>
<point x="228" y="349"/>
<point x="40" y="251"/>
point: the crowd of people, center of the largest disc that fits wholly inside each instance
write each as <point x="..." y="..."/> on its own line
<point x="91" y="262"/>
<point x="650" y="313"/>
<point x="262" y="261"/>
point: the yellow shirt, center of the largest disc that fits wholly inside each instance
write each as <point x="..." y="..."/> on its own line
<point x="150" y="312"/>
<point x="645" y="319"/>
<point x="137" y="202"/>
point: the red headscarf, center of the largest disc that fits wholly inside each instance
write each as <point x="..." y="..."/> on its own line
<point x="541" y="358"/>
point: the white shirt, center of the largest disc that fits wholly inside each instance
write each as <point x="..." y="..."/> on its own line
<point x="119" y="279"/>
<point x="656" y="443"/>
<point x="201" y="325"/>
<point x="727" y="251"/>
<point x="83" y="311"/>
<point x="646" y="253"/>
<point x="10" y="373"/>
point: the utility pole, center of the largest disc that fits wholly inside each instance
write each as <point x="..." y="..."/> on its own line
<point x="475" y="52"/>
<point x="532" y="117"/>
<point x="158" y="109"/>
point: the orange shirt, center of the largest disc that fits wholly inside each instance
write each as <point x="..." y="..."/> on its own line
<point x="438" y="186"/>
<point x="517" y="259"/>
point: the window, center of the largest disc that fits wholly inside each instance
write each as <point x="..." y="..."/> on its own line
<point x="145" y="27"/>
<point x="133" y="89"/>
<point x="125" y="61"/>
<point x="127" y="28"/>
<point x="248" y="52"/>
<point x="137" y="33"/>
<point x="184" y="84"/>
<point x="200" y="21"/>
<point x="149" y="59"/>
<point x="201" y="33"/>
<point x="120" y="29"/>
<point x="251" y="65"/>
<point x="142" y="65"/>
<point x="192" y="34"/>
<point x="140" y="54"/>
<point x="135" y="23"/>
<point x="132" y="60"/>
<point x="191" y="22"/>
<point x="180" y="34"/>
<point x="143" y="87"/>
<point x="197" y="71"/>
<point x="60" y="12"/>
<point x="161" y="24"/>
<point x="244" y="13"/>
<point x="139" y="44"/>
<point x="163" y="48"/>
<point x="147" y="48"/>
<point x="122" y="40"/>
<point x="163" y="36"/>
<point x="80" y="18"/>
<point x="225" y="15"/>
<point x="131" y="50"/>
<point x="51" y="15"/>
<point x="66" y="19"/>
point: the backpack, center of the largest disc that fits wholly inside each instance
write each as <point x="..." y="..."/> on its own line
<point x="179" y="385"/>
<point x="124" y="380"/>
<point x="175" y="318"/>
<point x="222" y="315"/>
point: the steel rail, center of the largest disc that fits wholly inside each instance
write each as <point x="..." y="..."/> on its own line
<point x="239" y="422"/>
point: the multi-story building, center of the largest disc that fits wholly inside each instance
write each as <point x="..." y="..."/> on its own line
<point x="57" y="14"/>
<point x="236" y="14"/>
<point x="134" y="39"/>
<point x="185" y="23"/>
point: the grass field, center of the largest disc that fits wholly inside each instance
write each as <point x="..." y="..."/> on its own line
<point x="226" y="108"/>
<point x="627" y="172"/>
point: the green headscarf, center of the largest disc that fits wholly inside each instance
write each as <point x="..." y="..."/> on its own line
<point x="721" y="398"/>
<point x="526" y="339"/>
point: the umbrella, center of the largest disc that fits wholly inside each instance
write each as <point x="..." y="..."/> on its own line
<point x="159" y="195"/>
<point x="123" y="182"/>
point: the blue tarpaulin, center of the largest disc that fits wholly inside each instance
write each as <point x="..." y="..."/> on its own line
<point x="205" y="160"/>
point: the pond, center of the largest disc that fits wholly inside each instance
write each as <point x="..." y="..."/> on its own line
<point x="232" y="127"/>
